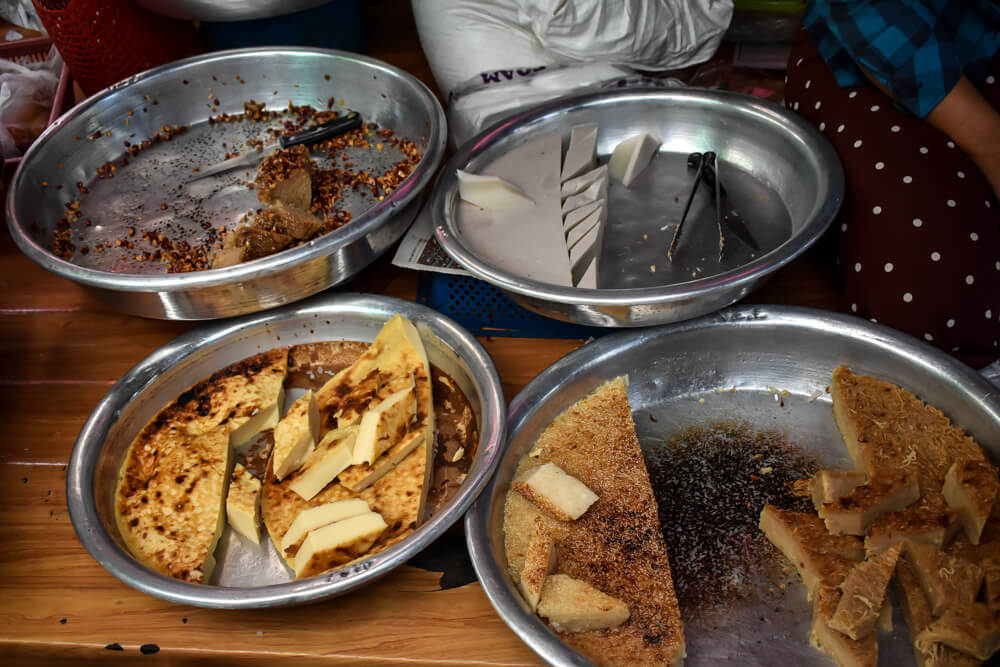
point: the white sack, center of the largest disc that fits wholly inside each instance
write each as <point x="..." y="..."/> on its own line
<point x="462" y="38"/>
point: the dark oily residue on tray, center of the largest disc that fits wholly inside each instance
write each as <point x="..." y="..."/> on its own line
<point x="711" y="482"/>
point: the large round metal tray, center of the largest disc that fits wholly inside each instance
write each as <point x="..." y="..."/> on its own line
<point x="782" y="170"/>
<point x="185" y="92"/>
<point x="93" y="469"/>
<point x="671" y="369"/>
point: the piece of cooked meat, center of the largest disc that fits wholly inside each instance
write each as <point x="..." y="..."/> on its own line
<point x="821" y="559"/>
<point x="170" y="501"/>
<point x="971" y="487"/>
<point x="594" y="440"/>
<point x="575" y="606"/>
<point x="828" y="486"/>
<point x="972" y="628"/>
<point x="887" y="491"/>
<point x="846" y="652"/>
<point x="539" y="562"/>
<point x="285" y="177"/>
<point x="947" y="581"/>
<point x="863" y="594"/>
<point x="917" y="614"/>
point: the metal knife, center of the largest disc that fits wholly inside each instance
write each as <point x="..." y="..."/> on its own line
<point x="331" y="128"/>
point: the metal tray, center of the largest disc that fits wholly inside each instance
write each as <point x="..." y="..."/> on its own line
<point x="783" y="175"/>
<point x="682" y="375"/>
<point x="254" y="577"/>
<point x="188" y="92"/>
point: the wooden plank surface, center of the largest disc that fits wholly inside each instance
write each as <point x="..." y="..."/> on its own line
<point x="61" y="350"/>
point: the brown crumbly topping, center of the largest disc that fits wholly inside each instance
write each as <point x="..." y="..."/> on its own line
<point x="280" y="164"/>
<point x="327" y="190"/>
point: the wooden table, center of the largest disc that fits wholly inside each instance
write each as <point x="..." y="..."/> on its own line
<point x="61" y="350"/>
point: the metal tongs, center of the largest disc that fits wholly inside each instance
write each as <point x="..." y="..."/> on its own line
<point x="707" y="172"/>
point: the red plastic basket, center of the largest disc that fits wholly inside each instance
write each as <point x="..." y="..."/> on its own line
<point x="104" y="41"/>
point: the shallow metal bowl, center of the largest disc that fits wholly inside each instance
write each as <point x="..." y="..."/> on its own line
<point x="105" y="438"/>
<point x="786" y="173"/>
<point x="683" y="375"/>
<point x="185" y="92"/>
<point x="227" y="10"/>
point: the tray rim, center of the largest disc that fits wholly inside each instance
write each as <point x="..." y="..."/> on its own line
<point x="270" y="265"/>
<point x="81" y="470"/>
<point x="528" y="626"/>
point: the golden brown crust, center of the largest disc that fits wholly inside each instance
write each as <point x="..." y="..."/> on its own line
<point x="845" y="651"/>
<point x="616" y="546"/>
<point x="971" y="487"/>
<point x="230" y="397"/>
<point x="822" y="559"/>
<point x="170" y="501"/>
<point x="888" y="491"/>
<point x="396" y="496"/>
<point x="863" y="594"/>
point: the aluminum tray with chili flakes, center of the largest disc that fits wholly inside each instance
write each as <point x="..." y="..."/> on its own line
<point x="109" y="196"/>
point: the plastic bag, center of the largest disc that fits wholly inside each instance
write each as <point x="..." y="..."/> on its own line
<point x="491" y="96"/>
<point x="462" y="38"/>
<point x="27" y="93"/>
<point x="21" y="13"/>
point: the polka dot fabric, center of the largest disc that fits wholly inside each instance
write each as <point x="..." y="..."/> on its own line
<point x="919" y="231"/>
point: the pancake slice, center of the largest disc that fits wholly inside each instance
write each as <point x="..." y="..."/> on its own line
<point x="595" y="442"/>
<point x="170" y="500"/>
<point x="244" y="397"/>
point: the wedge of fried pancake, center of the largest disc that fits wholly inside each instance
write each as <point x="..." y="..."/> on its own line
<point x="244" y="397"/>
<point x="394" y="360"/>
<point x="396" y="496"/>
<point x="917" y="614"/>
<point x="821" y="559"/>
<point x="887" y="429"/>
<point x="170" y="500"/>
<point x="617" y="545"/>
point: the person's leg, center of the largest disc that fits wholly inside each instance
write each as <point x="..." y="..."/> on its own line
<point x="919" y="231"/>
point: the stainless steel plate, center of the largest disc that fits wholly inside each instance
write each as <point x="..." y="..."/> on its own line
<point x="227" y="10"/>
<point x="154" y="191"/>
<point x="249" y="577"/>
<point x="682" y="375"/>
<point x="783" y="176"/>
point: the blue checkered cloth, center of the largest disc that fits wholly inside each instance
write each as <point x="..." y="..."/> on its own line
<point x="917" y="49"/>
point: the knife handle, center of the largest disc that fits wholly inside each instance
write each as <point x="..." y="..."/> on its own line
<point x="331" y="128"/>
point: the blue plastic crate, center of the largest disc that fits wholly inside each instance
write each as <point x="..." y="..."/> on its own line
<point x="486" y="311"/>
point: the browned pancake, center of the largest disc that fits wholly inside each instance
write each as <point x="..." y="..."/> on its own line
<point x="230" y="397"/>
<point x="170" y="501"/>
<point x="616" y="546"/>
<point x="887" y="428"/>
<point x="396" y="496"/>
